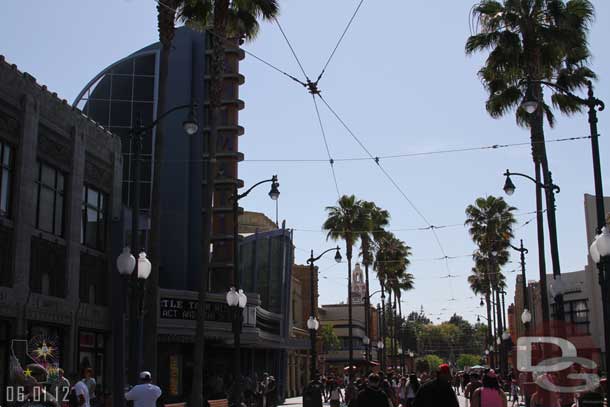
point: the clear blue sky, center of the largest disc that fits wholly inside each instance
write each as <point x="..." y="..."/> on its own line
<point x="400" y="80"/>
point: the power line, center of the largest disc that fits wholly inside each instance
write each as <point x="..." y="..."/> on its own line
<point x="423" y="153"/>
<point x="291" y="48"/>
<point x="330" y="159"/>
<point x="339" y="42"/>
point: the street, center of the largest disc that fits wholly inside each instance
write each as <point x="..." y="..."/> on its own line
<point x="298" y="402"/>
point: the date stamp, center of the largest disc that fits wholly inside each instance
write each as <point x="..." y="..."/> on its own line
<point x="37" y="394"/>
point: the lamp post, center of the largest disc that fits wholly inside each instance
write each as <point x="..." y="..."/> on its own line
<point x="509" y="188"/>
<point x="312" y="322"/>
<point x="522" y="251"/>
<point x="366" y="341"/>
<point x="236" y="298"/>
<point x="136" y="134"/>
<point x="600" y="253"/>
<point x="135" y="273"/>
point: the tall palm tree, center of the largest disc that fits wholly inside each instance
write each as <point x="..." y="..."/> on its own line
<point x="391" y="262"/>
<point x="223" y="19"/>
<point x="378" y="219"/>
<point x="166" y="16"/>
<point x="344" y="222"/>
<point x="490" y="221"/>
<point x="531" y="41"/>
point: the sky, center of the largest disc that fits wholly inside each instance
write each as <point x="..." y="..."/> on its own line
<point x="400" y="81"/>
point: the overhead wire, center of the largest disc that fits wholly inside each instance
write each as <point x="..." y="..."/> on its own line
<point x="330" y="159"/>
<point x="351" y="20"/>
<point x="291" y="48"/>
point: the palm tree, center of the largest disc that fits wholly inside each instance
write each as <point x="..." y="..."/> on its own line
<point x="531" y="41"/>
<point x="166" y="16"/>
<point x="391" y="262"/>
<point x="344" y="222"/>
<point x="223" y="19"/>
<point x="490" y="221"/>
<point x="379" y="218"/>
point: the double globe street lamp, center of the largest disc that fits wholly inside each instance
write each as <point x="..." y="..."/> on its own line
<point x="312" y="323"/>
<point x="600" y="253"/>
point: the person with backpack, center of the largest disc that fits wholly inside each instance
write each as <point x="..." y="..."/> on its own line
<point x="489" y="394"/>
<point x="336" y="397"/>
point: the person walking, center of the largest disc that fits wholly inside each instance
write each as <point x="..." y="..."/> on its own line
<point x="372" y="396"/>
<point x="401" y="392"/>
<point x="144" y="394"/>
<point x="336" y="397"/>
<point x="89" y="380"/>
<point x="489" y="394"/>
<point x="312" y="394"/>
<point x="81" y="393"/>
<point x="412" y="388"/>
<point x="475" y="383"/>
<point x="437" y="392"/>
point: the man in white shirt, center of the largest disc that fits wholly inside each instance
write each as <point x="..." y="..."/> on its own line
<point x="144" y="394"/>
<point x="82" y="394"/>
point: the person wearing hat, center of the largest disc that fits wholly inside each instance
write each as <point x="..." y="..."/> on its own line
<point x="437" y="392"/>
<point x="144" y="394"/>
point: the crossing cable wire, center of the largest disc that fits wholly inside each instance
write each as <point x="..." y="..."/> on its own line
<point x="351" y="20"/>
<point x="291" y="48"/>
<point x="330" y="159"/>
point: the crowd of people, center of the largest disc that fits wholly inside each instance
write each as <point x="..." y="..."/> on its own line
<point x="479" y="388"/>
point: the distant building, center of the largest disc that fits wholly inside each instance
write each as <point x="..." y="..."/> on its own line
<point x="60" y="206"/>
<point x="337" y="315"/>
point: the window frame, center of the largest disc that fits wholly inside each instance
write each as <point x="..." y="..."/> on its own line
<point x="39" y="185"/>
<point x="101" y="209"/>
<point x="9" y="169"/>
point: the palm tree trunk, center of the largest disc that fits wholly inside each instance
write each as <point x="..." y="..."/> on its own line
<point x="165" y="17"/>
<point x="367" y="311"/>
<point x="489" y="327"/>
<point x="383" y="323"/>
<point x="217" y="70"/>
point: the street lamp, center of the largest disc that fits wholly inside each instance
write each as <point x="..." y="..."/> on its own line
<point x="135" y="273"/>
<point x="136" y="135"/>
<point x="312" y="322"/>
<point x="526" y="317"/>
<point x="482" y="303"/>
<point x="552" y="189"/>
<point x="237" y="297"/>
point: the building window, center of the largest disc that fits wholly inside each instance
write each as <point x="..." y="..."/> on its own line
<point x="93" y="223"/>
<point x="576" y="315"/>
<point x="93" y="280"/>
<point x="49" y="199"/>
<point x="6" y="173"/>
<point x="6" y="258"/>
<point x="48" y="268"/>
<point x="92" y="355"/>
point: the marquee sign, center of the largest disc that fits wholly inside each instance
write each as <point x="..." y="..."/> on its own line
<point x="178" y="308"/>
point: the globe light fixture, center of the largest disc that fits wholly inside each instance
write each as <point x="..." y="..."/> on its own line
<point x="478" y="319"/>
<point x="600" y="246"/>
<point x="313" y="324"/>
<point x="529" y="104"/>
<point x="242" y="299"/>
<point x="274" y="193"/>
<point x="380" y="345"/>
<point x="526" y="316"/>
<point x="486" y="352"/>
<point x="232" y="298"/>
<point x="499" y="340"/>
<point x="482" y="303"/>
<point x="190" y="125"/>
<point x="506" y="335"/>
<point x="338" y="257"/>
<point x="144" y="266"/>
<point x="366" y="341"/>
<point x="509" y="187"/>
<point x="126" y="263"/>
<point x="411" y="354"/>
